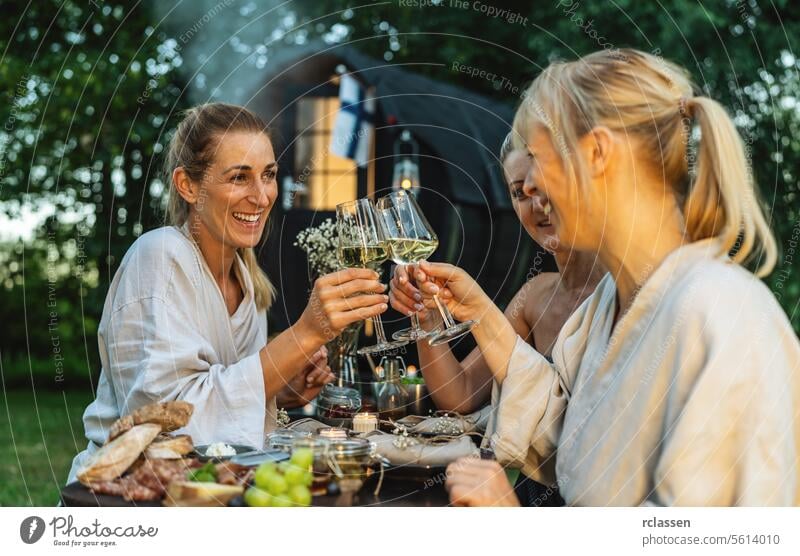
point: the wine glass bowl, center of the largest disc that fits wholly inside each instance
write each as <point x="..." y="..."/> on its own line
<point x="362" y="244"/>
<point x="411" y="239"/>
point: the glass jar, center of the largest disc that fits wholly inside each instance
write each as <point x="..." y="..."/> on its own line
<point x="350" y="458"/>
<point x="320" y="468"/>
<point x="282" y="439"/>
<point x="336" y="405"/>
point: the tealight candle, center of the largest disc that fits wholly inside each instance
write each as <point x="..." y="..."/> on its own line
<point x="333" y="433"/>
<point x="365" y="422"/>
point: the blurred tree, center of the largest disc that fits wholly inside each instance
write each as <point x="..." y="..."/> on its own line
<point x="89" y="87"/>
<point x="51" y="339"/>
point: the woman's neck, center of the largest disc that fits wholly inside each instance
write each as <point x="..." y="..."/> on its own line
<point x="579" y="271"/>
<point x="637" y="242"/>
<point x="218" y="256"/>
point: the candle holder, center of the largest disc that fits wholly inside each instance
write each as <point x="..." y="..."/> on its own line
<point x="365" y="422"/>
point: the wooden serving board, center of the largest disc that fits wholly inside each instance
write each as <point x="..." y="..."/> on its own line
<point x="75" y="494"/>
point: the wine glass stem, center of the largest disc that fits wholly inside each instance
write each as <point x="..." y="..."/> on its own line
<point x="446" y="316"/>
<point x="415" y="326"/>
<point x="379" y="332"/>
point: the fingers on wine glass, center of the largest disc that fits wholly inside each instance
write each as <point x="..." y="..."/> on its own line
<point x="401" y="302"/>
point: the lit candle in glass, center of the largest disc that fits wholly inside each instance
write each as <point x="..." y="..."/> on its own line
<point x="365" y="422"/>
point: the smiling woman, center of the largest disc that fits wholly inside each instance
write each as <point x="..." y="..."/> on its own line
<point x="185" y="315"/>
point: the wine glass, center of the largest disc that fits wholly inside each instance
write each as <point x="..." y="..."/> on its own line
<point x="404" y="249"/>
<point x="362" y="244"/>
<point x="411" y="239"/>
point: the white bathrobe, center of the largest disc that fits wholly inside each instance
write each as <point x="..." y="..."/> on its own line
<point x="166" y="334"/>
<point x="694" y="399"/>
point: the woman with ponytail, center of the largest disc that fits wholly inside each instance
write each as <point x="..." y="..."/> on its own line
<point x="185" y="315"/>
<point x="678" y="381"/>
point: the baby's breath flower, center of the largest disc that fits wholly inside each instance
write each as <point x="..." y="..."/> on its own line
<point x="320" y="244"/>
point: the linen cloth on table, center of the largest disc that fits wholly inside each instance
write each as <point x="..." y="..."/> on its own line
<point x="407" y="450"/>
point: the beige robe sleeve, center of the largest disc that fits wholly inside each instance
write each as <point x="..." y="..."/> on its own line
<point x="534" y="394"/>
<point x="530" y="414"/>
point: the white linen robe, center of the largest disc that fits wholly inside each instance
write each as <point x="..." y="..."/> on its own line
<point x="166" y="334"/>
<point x="694" y="399"/>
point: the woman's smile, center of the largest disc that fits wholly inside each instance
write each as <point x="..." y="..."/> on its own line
<point x="249" y="220"/>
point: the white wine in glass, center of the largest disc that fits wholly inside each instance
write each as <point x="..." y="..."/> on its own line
<point x="363" y="256"/>
<point x="411" y="239"/>
<point x="409" y="251"/>
<point x="362" y="244"/>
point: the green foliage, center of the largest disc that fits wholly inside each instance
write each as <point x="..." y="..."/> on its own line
<point x="50" y="337"/>
<point x="89" y="89"/>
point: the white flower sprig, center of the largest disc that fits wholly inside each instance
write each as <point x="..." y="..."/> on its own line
<point x="320" y="244"/>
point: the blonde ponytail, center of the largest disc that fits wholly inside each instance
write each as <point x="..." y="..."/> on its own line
<point x="722" y="202"/>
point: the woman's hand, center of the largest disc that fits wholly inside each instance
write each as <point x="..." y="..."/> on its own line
<point x="405" y="297"/>
<point x="463" y="296"/>
<point x="306" y="384"/>
<point x="340" y="299"/>
<point x="479" y="482"/>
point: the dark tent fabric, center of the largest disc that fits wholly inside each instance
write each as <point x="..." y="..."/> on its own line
<point x="449" y="120"/>
<point x="462" y="192"/>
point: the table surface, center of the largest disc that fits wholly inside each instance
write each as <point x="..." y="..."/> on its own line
<point x="393" y="492"/>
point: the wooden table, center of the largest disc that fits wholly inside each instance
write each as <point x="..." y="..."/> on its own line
<point x="394" y="492"/>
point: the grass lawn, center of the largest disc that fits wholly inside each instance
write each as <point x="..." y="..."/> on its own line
<point x="40" y="435"/>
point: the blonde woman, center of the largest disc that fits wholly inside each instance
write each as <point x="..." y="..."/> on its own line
<point x="537" y="312"/>
<point x="677" y="382"/>
<point x="185" y="315"/>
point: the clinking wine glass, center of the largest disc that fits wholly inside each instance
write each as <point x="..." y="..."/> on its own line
<point x="362" y="244"/>
<point x="405" y="249"/>
<point x="411" y="239"/>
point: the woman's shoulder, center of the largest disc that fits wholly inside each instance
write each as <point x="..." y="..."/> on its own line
<point x="532" y="291"/>
<point x="153" y="264"/>
<point x="543" y="283"/>
<point x="165" y="243"/>
<point x="730" y="316"/>
<point x="712" y="282"/>
<point x="531" y="299"/>
<point x="719" y="294"/>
